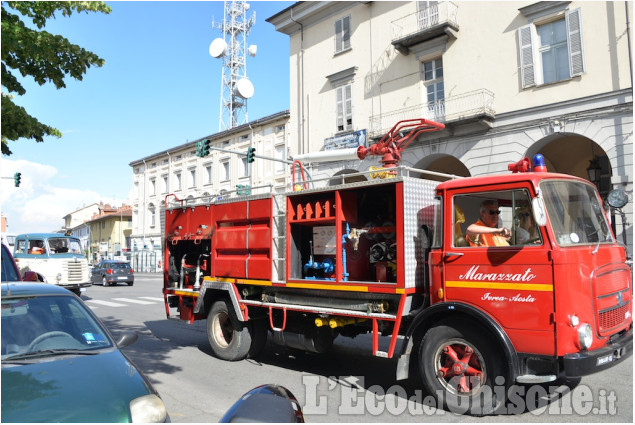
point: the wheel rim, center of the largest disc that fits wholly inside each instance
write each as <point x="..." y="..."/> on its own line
<point x="460" y="367"/>
<point x="222" y="330"/>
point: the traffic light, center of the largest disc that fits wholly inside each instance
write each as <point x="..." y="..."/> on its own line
<point x="243" y="189"/>
<point x="251" y="155"/>
<point x="16" y="179"/>
<point x="203" y="148"/>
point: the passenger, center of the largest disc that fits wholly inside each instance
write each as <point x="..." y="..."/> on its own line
<point x="526" y="231"/>
<point x="485" y="232"/>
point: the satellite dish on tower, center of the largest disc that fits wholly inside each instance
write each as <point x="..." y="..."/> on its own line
<point x="244" y="88"/>
<point x="218" y="48"/>
<point x="252" y="50"/>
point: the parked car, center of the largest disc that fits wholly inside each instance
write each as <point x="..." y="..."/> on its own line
<point x="60" y="364"/>
<point x="10" y="271"/>
<point x="111" y="272"/>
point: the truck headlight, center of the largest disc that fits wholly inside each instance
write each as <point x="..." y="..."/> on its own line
<point x="148" y="408"/>
<point x="585" y="335"/>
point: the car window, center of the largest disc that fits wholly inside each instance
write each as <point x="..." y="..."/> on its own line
<point x="20" y="247"/>
<point x="121" y="266"/>
<point x="36" y="323"/>
<point x="9" y="272"/>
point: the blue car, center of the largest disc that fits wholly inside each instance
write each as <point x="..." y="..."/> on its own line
<point x="60" y="364"/>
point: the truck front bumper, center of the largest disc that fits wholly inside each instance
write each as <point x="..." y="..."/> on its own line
<point x="588" y="362"/>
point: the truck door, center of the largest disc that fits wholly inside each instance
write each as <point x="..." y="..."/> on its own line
<point x="508" y="275"/>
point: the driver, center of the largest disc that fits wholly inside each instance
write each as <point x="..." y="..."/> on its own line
<point x="485" y="231"/>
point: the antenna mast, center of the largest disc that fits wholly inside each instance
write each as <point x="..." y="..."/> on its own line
<point x="235" y="86"/>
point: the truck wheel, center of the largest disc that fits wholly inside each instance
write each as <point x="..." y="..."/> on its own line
<point x="460" y="364"/>
<point x="229" y="339"/>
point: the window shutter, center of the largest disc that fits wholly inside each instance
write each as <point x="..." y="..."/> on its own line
<point x="525" y="45"/>
<point x="340" y="109"/>
<point x="338" y="35"/>
<point x="348" y="107"/>
<point x="574" y="42"/>
<point x="346" y="35"/>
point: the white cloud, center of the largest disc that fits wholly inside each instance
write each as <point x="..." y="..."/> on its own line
<point x="38" y="205"/>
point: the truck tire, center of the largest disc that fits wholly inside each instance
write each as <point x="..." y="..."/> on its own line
<point x="230" y="339"/>
<point x="461" y="365"/>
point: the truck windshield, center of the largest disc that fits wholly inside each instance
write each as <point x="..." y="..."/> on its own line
<point x="575" y="212"/>
<point x="65" y="246"/>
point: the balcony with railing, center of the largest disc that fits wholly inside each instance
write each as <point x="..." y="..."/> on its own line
<point x="467" y="108"/>
<point x="425" y="24"/>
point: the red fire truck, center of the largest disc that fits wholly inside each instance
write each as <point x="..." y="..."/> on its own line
<point x="388" y="252"/>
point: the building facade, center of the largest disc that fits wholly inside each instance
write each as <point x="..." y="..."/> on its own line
<point x="76" y="222"/>
<point x="109" y="234"/>
<point x="508" y="79"/>
<point x="183" y="177"/>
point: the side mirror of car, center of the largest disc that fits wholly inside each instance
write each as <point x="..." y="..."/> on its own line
<point x="267" y="403"/>
<point x="30" y="276"/>
<point x="128" y="338"/>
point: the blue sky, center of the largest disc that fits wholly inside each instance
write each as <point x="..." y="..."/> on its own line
<point x="158" y="89"/>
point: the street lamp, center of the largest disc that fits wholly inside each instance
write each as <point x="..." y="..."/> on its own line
<point x="594" y="170"/>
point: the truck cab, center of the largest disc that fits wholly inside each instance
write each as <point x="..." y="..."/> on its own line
<point x="55" y="257"/>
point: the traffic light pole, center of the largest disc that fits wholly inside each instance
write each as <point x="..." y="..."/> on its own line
<point x="286" y="161"/>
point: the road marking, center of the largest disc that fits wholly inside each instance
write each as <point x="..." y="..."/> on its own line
<point x="106" y="303"/>
<point x="130" y="300"/>
<point x="153" y="299"/>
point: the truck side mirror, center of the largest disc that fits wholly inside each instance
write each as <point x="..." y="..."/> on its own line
<point x="539" y="210"/>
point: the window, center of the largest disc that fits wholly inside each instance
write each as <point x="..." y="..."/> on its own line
<point x="245" y="167"/>
<point x="152" y="211"/>
<point x="343" y="34"/>
<point x="177" y="181"/>
<point x="225" y="166"/>
<point x="280" y="167"/>
<point x="192" y="177"/>
<point x="428" y="14"/>
<point x="164" y="188"/>
<point x="344" y="108"/>
<point x="435" y="90"/>
<point x="208" y="174"/>
<point x="551" y="50"/>
<point x="510" y="210"/>
<point x="153" y="187"/>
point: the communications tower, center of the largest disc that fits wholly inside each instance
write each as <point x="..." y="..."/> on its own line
<point x="235" y="86"/>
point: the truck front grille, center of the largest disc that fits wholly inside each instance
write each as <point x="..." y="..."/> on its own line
<point x="75" y="271"/>
<point x="613" y="300"/>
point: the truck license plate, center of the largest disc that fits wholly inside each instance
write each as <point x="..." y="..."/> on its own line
<point x="604" y="360"/>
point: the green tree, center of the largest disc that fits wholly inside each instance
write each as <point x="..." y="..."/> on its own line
<point x="44" y="56"/>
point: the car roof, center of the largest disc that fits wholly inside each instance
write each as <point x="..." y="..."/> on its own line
<point x="12" y="289"/>
<point x="114" y="261"/>
<point x="43" y="235"/>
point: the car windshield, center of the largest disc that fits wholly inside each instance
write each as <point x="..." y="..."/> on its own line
<point x="575" y="212"/>
<point x="37" y="326"/>
<point x="65" y="245"/>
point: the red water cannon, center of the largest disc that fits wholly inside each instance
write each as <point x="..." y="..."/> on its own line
<point x="394" y="142"/>
<point x="522" y="166"/>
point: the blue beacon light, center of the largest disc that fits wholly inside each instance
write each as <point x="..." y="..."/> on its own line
<point x="539" y="164"/>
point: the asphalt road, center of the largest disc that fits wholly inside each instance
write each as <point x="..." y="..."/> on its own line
<point x="344" y="385"/>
